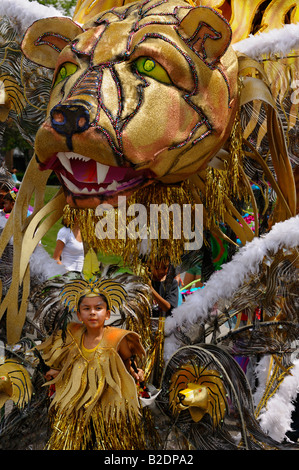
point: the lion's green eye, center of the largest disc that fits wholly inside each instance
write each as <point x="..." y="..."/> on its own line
<point x="151" y="68"/>
<point x="66" y="69"/>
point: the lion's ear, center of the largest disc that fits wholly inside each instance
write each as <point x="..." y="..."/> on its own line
<point x="206" y="32"/>
<point x="45" y="39"/>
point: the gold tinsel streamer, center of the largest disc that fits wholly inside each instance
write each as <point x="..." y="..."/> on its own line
<point x="155" y="357"/>
<point x="273" y="384"/>
<point x="216" y="187"/>
<point x="236" y="160"/>
<point x="226" y="182"/>
<point x="160" y="245"/>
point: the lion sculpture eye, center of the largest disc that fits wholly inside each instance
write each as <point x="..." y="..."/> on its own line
<point x="151" y="68"/>
<point x="65" y="70"/>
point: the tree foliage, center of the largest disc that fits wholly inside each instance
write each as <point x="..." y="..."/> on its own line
<point x="10" y="136"/>
<point x="65" y="6"/>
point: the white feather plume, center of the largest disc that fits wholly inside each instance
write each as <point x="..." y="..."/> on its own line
<point x="276" y="418"/>
<point x="43" y="266"/>
<point x="277" y="41"/>
<point x="223" y="283"/>
<point x="25" y="13"/>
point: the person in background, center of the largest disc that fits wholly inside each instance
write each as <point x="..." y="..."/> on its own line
<point x="69" y="249"/>
<point x="193" y="274"/>
<point x="6" y="183"/>
<point x="14" y="177"/>
<point x="9" y="202"/>
<point x="3" y="191"/>
<point x="165" y="297"/>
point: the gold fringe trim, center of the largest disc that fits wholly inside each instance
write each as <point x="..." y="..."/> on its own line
<point x="73" y="432"/>
<point x="166" y="243"/>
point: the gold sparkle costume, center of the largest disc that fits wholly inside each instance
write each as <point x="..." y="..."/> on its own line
<point x="95" y="405"/>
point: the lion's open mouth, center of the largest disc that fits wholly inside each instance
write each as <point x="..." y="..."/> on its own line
<point x="84" y="177"/>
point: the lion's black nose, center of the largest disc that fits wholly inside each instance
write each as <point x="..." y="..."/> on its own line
<point x="68" y="120"/>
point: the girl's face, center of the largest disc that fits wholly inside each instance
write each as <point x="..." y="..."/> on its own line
<point x="93" y="312"/>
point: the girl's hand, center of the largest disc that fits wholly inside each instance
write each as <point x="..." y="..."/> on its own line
<point x="139" y="376"/>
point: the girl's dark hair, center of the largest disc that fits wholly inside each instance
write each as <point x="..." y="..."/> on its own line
<point x="100" y="295"/>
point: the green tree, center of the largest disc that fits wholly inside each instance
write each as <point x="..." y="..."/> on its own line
<point x="12" y="139"/>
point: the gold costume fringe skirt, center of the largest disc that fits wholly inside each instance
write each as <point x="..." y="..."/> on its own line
<point x="74" y="432"/>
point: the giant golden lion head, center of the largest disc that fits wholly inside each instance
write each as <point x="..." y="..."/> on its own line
<point x="140" y="93"/>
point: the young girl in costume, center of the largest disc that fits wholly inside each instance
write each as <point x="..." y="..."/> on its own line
<point x="95" y="405"/>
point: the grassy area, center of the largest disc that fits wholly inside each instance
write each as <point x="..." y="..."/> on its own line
<point x="49" y="240"/>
